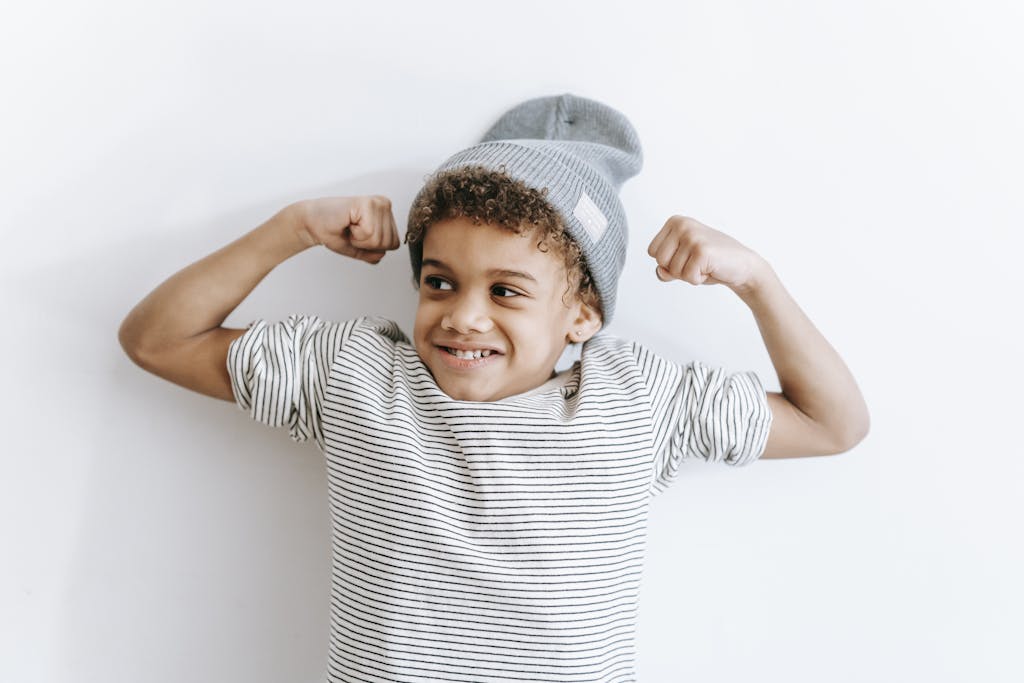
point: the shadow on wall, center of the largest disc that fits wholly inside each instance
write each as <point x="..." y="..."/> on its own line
<point x="202" y="540"/>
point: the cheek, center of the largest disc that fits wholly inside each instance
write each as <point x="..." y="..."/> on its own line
<point x="545" y="330"/>
<point x="560" y="316"/>
<point x="425" y="315"/>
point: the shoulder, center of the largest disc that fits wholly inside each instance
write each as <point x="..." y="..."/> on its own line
<point x="609" y="350"/>
<point x="359" y="338"/>
<point x="309" y="335"/>
<point x="364" y="326"/>
<point x="606" y="346"/>
<point x="375" y="326"/>
<point x="378" y="340"/>
<point x="611" y="365"/>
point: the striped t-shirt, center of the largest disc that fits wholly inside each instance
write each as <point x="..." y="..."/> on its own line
<point x="488" y="541"/>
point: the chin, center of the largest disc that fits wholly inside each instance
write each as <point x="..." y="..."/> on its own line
<point x="468" y="394"/>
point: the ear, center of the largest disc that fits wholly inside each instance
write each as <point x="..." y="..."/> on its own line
<point x="585" y="325"/>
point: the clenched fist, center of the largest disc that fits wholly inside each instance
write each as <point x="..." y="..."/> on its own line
<point x="360" y="227"/>
<point x="688" y="250"/>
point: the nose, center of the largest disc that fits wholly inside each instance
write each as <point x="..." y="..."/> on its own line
<point x="467" y="314"/>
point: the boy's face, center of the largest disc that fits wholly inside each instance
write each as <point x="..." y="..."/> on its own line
<point x="486" y="290"/>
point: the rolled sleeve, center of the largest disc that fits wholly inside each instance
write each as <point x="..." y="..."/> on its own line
<point x="704" y="413"/>
<point x="279" y="372"/>
<point x="726" y="418"/>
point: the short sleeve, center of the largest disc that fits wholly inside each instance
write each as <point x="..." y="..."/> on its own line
<point x="705" y="413"/>
<point x="279" y="371"/>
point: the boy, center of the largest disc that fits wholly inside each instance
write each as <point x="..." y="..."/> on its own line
<point x="489" y="514"/>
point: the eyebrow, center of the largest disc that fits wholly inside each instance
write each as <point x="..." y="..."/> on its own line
<point x="497" y="272"/>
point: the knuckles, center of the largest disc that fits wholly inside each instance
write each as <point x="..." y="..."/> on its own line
<point x="379" y="201"/>
<point x="681" y="232"/>
<point x="682" y="225"/>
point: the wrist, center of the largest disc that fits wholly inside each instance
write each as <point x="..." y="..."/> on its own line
<point x="294" y="217"/>
<point x="761" y="280"/>
<point x="284" y="234"/>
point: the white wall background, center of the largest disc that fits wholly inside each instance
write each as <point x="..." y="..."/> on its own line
<point x="871" y="151"/>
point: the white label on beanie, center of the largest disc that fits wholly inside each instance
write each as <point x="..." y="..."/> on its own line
<point x="591" y="217"/>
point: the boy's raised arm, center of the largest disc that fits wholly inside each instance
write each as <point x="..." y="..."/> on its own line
<point x="820" y="410"/>
<point x="175" y="332"/>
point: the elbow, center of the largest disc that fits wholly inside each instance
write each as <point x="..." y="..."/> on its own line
<point x="853" y="433"/>
<point x="126" y="340"/>
<point x="131" y="342"/>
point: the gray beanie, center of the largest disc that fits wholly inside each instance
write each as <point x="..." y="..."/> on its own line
<point x="582" y="151"/>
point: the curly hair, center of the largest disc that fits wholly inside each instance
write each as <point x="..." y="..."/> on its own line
<point x="494" y="197"/>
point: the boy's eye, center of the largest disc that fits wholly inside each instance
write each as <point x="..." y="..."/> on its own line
<point x="504" y="292"/>
<point x="435" y="282"/>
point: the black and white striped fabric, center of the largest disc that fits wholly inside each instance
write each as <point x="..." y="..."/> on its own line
<point x="498" y="541"/>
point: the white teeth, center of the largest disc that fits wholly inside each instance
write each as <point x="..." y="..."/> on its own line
<point x="468" y="355"/>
